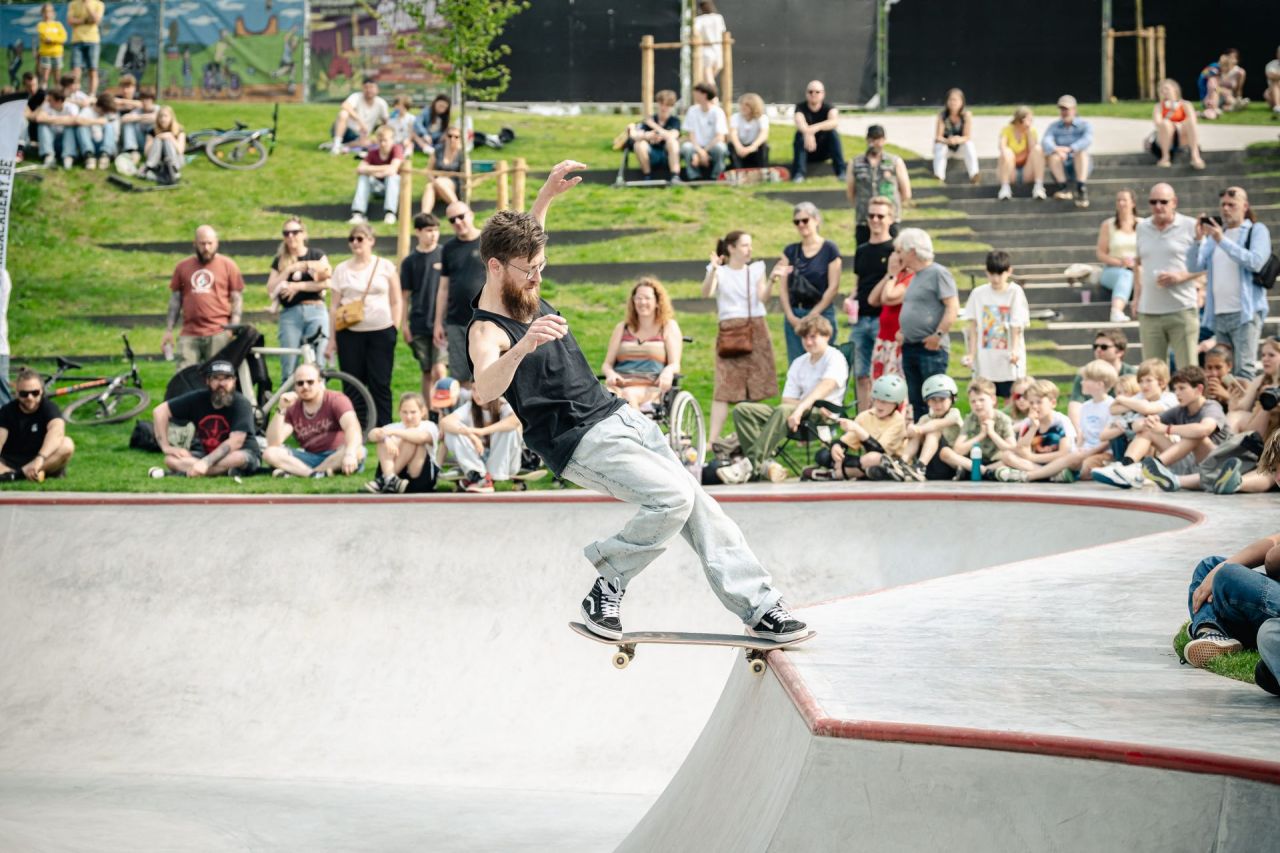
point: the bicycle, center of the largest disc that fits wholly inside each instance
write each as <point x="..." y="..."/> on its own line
<point x="122" y="396"/>
<point x="333" y="380"/>
<point x="238" y="148"/>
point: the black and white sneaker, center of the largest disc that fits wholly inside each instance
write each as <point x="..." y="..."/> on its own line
<point x="376" y="486"/>
<point x="602" y="609"/>
<point x="778" y="624"/>
<point x="394" y="485"/>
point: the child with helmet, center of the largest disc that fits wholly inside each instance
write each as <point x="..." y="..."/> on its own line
<point x="871" y="442"/>
<point x="939" y="428"/>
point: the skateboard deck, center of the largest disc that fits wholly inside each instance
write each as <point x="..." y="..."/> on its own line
<point x="760" y="175"/>
<point x="755" y="647"/>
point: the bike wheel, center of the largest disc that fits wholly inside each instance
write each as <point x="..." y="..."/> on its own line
<point x="112" y="407"/>
<point x="335" y="380"/>
<point x="686" y="431"/>
<point x="231" y="152"/>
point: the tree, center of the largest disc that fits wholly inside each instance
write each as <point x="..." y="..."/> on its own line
<point x="455" y="40"/>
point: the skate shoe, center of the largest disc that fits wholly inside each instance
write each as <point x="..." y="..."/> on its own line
<point x="602" y="609"/>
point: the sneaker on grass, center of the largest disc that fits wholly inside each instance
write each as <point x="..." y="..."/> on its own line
<point x="736" y="472"/>
<point x="778" y="624"/>
<point x="1229" y="478"/>
<point x="817" y="473"/>
<point x="1158" y="472"/>
<point x="376" y="485"/>
<point x="1006" y="474"/>
<point x="773" y="471"/>
<point x="1209" y="644"/>
<point x="479" y="484"/>
<point x="1066" y="475"/>
<point x="602" y="609"/>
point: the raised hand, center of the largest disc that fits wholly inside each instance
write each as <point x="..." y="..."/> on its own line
<point x="557" y="182"/>
<point x="545" y="329"/>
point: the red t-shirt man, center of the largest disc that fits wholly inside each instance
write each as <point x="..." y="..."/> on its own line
<point x="321" y="432"/>
<point x="206" y="293"/>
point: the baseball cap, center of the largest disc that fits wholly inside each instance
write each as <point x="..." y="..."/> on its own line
<point x="221" y="368"/>
<point x="445" y="392"/>
<point x="1067" y="101"/>
<point x="875" y="132"/>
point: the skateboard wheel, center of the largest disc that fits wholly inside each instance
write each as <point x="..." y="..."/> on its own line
<point x="621" y="659"/>
<point x="757" y="666"/>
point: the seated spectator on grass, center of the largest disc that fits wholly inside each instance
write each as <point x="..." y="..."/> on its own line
<point x="749" y="133"/>
<point x="75" y="95"/>
<point x="207" y="292"/>
<point x="1245" y="462"/>
<point x="817" y="134"/>
<point x="1117" y="250"/>
<point x="297" y="283"/>
<point x="379" y="174"/>
<point x="1020" y="156"/>
<point x="940" y="427"/>
<point x="367" y="349"/>
<point x="1246" y="412"/>
<point x="1229" y="601"/>
<point x="1093" y="448"/>
<point x="952" y="132"/>
<point x="420" y="283"/>
<point x="871" y="266"/>
<point x="401" y="124"/>
<point x="449" y="155"/>
<point x="330" y="439"/>
<point x="703" y="152"/>
<point x="1176" y="126"/>
<point x="820" y="375"/>
<point x="361" y="114"/>
<point x="1234" y="304"/>
<point x="1198" y="424"/>
<point x="96" y="132"/>
<point x="430" y="125"/>
<point x="1218" y="380"/>
<point x="136" y="124"/>
<point x="55" y="122"/>
<point x="1019" y="409"/>
<point x="1137" y="396"/>
<point x="33" y="434"/>
<point x="809" y="271"/>
<point x="998" y="318"/>
<point x="52" y="37"/>
<point x="1109" y="345"/>
<point x="1273" y="83"/>
<point x="875" y="176"/>
<point x="985" y="426"/>
<point x="1047" y="435"/>
<point x="166" y="148"/>
<point x="643" y="356"/>
<point x="1066" y="145"/>
<point x="872" y="442"/>
<point x="35" y="97"/>
<point x="485" y="442"/>
<point x="404" y="450"/>
<point x="929" y="308"/>
<point x="656" y="140"/>
<point x="223" y="441"/>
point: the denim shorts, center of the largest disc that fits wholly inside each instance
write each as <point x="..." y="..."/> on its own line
<point x="310" y="458"/>
<point x="84" y="54"/>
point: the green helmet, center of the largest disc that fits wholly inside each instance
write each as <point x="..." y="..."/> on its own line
<point x="890" y="389"/>
<point x="939" y="383"/>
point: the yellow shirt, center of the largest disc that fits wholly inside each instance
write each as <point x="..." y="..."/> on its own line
<point x="52" y="37"/>
<point x="1019" y="147"/>
<point x="87" y="33"/>
<point x="891" y="432"/>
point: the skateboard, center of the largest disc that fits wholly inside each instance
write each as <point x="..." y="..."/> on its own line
<point x="755" y="647"/>
<point x="761" y="175"/>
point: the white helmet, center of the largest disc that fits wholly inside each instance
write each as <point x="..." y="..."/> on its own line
<point x="891" y="389"/>
<point x="939" y="383"/>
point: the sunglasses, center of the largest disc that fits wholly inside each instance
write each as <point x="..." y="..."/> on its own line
<point x="356" y="238"/>
<point x="801" y="221"/>
<point x="458" y="218"/>
<point x="303" y="383"/>
<point x="1159" y="200"/>
<point x="1104" y="346"/>
<point x="877" y="216"/>
<point x="35" y="393"/>
<point x="292" y="232"/>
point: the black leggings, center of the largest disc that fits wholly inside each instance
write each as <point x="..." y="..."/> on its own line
<point x="369" y="357"/>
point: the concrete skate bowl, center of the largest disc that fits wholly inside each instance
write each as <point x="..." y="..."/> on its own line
<point x="330" y="674"/>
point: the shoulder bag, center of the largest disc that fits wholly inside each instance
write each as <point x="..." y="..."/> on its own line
<point x="1265" y="277"/>
<point x="803" y="293"/>
<point x="351" y="313"/>
<point x="733" y="340"/>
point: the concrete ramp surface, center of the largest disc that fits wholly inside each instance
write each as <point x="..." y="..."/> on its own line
<point x="387" y="675"/>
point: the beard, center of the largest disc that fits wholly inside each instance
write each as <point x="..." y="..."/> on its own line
<point x="521" y="301"/>
<point x="204" y="259"/>
<point x="220" y="399"/>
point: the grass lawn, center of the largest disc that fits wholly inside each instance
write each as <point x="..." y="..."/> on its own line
<point x="1239" y="665"/>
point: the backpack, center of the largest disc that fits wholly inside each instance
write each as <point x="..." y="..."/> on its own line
<point x="144" y="437"/>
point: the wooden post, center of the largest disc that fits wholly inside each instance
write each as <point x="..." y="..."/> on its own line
<point x="466" y="180"/>
<point x="504" y="186"/>
<point x="726" y="76"/>
<point x="1151" y="63"/>
<point x="404" y="222"/>
<point x="646" y="75"/>
<point x="1108" y="78"/>
<point x="521" y="168"/>
<point x="1141" y="64"/>
<point x="695" y="61"/>
<point x="1160" y="67"/>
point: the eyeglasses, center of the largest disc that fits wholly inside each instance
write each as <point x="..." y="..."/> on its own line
<point x="457" y="218"/>
<point x="36" y="393"/>
<point x="530" y="273"/>
<point x="356" y="238"/>
<point x="802" y="221"/>
<point x="303" y="383"/>
<point x="1159" y="201"/>
<point x="293" y="232"/>
<point x="877" y="216"/>
<point x="1104" y="347"/>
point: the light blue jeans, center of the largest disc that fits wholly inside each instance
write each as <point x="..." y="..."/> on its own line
<point x="133" y="135"/>
<point x="864" y="335"/>
<point x="1243" y="336"/>
<point x="367" y="185"/>
<point x="90" y="147"/>
<point x="297" y="323"/>
<point x="718" y="152"/>
<point x="1119" y="281"/>
<point x="1269" y="644"/>
<point x="57" y="140"/>
<point x="5" y="394"/>
<point x="627" y="457"/>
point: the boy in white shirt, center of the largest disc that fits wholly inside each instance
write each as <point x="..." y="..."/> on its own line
<point x="1047" y="436"/>
<point x="56" y="128"/>
<point x="998" y="317"/>
<point x="1098" y="377"/>
<point x="705" y="128"/>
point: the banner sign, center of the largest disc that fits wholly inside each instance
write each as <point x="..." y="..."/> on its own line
<point x="12" y="108"/>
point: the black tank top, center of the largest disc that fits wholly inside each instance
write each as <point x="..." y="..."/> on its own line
<point x="554" y="392"/>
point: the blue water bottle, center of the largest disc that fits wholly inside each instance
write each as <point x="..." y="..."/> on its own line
<point x="975" y="463"/>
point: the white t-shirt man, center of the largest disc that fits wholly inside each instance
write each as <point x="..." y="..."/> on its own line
<point x="1226" y="277"/>
<point x="703" y="126"/>
<point x="804" y="374"/>
<point x="372" y="114"/>
<point x="748" y="131"/>
<point x="995" y="314"/>
<point x="1165" y="251"/>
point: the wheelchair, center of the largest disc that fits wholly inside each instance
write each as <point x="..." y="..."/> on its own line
<point x="679" y="415"/>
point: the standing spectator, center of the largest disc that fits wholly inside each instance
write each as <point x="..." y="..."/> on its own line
<point x="379" y="174"/>
<point x="462" y="277"/>
<point x="297" y="282"/>
<point x="1118" y="250"/>
<point x="749" y="133"/>
<point x="420" y="282"/>
<point x="703" y="151"/>
<point x="887" y="295"/>
<point x="1168" y="318"/>
<point x="366" y="349"/>
<point x="929" y="308"/>
<point x="1175" y="126"/>
<point x="449" y="154"/>
<point x="998" y="316"/>
<point x="643" y="357"/>
<point x="86" y="40"/>
<point x="52" y="37"/>
<point x="361" y="114"/>
<point x="876" y="173"/>
<point x="741" y="290"/>
<point x="1273" y="83"/>
<point x="33" y="434"/>
<point x="1020" y="152"/>
<point x="55" y="122"/>
<point x="324" y="423"/>
<point x="709" y="29"/>
<point x="810" y="272"/>
<point x="1234" y="303"/>
<point x="223" y="421"/>
<point x="656" y="140"/>
<point x="871" y="266"/>
<point x="817" y="133"/>
<point x="207" y="291"/>
<point x="1066" y="145"/>
<point x="952" y="132"/>
<point x="431" y="123"/>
